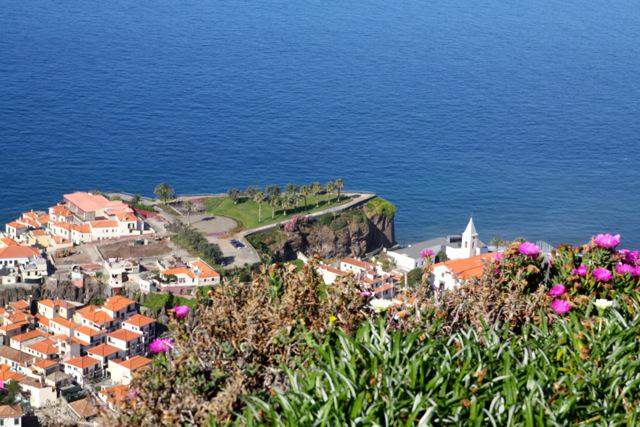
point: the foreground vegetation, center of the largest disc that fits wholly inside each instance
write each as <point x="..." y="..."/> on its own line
<point x="531" y="342"/>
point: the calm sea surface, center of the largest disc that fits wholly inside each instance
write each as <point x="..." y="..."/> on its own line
<point x="525" y="114"/>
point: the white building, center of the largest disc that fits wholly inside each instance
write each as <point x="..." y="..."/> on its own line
<point x="470" y="245"/>
<point x="11" y="415"/>
<point x="451" y="274"/>
<point x="121" y="371"/>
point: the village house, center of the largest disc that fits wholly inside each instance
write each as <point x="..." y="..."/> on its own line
<point x="11" y="415"/>
<point x="84" y="409"/>
<point x="114" y="396"/>
<point x="19" y="342"/>
<point x="356" y="266"/>
<point x="83" y="368"/>
<point x="451" y="274"/>
<point x="44" y="349"/>
<point x="141" y="325"/>
<point x="56" y="308"/>
<point x="97" y="319"/>
<point x="88" y="336"/>
<point x="329" y="273"/>
<point x="130" y="342"/>
<point x="183" y="279"/>
<point x="118" y="271"/>
<point x="61" y="326"/>
<point x="22" y="264"/>
<point x="17" y="360"/>
<point x="121" y="371"/>
<point x="119" y="308"/>
<point x="455" y="246"/>
<point x="39" y="395"/>
<point x="104" y="353"/>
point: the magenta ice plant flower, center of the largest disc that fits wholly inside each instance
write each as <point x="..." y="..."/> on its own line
<point x="160" y="345"/>
<point x="529" y="249"/>
<point x="606" y="241"/>
<point x="497" y="256"/>
<point x="560" y="306"/>
<point x="1" y="385"/>
<point x="602" y="274"/>
<point x="636" y="272"/>
<point x="580" y="271"/>
<point x="426" y="253"/>
<point x="557" y="290"/>
<point x="181" y="311"/>
<point x="366" y="294"/>
<point x="624" y="268"/>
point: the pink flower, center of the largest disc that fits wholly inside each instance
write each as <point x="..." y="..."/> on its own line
<point x="529" y="249"/>
<point x="426" y="253"/>
<point x="133" y="393"/>
<point x="557" y="290"/>
<point x="606" y="241"/>
<point x="624" y="268"/>
<point x="630" y="257"/>
<point x="636" y="272"/>
<point x="366" y="294"/>
<point x="160" y="345"/>
<point x="602" y="274"/>
<point x="181" y="311"/>
<point x="1" y="385"/>
<point x="497" y="256"/>
<point x="580" y="271"/>
<point x="560" y="306"/>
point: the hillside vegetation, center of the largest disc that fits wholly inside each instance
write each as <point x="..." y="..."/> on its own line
<point x="531" y="342"/>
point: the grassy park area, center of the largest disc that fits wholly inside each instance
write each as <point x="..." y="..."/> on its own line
<point x="245" y="211"/>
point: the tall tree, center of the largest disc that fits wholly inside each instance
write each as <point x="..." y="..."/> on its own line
<point x="189" y="207"/>
<point x="331" y="186"/>
<point x="274" y="201"/>
<point x="259" y="198"/>
<point x="316" y="189"/>
<point x="339" y="186"/>
<point x="164" y="192"/>
<point x="305" y="191"/>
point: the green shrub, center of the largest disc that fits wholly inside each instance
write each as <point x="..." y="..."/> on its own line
<point x="380" y="207"/>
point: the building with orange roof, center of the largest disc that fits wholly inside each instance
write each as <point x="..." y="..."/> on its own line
<point x="6" y="242"/>
<point x="114" y="396"/>
<point x="56" y="308"/>
<point x="20" y="305"/>
<point x="61" y="326"/>
<point x="104" y="353"/>
<point x="182" y="279"/>
<point x="129" y="341"/>
<point x="144" y="325"/>
<point x="355" y="265"/>
<point x="83" y="368"/>
<point x="451" y="274"/>
<point x="45" y="367"/>
<point x="15" y="229"/>
<point x="18" y="361"/>
<point x="122" y="371"/>
<point x="8" y="331"/>
<point x="89" y="336"/>
<point x="11" y="415"/>
<point x="329" y="273"/>
<point x="20" y="341"/>
<point x="44" y="349"/>
<point x="119" y="307"/>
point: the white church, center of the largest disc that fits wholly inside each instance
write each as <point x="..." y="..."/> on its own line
<point x="457" y="246"/>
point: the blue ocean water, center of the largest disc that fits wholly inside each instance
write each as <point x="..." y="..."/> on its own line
<point x="523" y="113"/>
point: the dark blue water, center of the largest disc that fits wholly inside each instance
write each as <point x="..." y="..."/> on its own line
<point x="524" y="113"/>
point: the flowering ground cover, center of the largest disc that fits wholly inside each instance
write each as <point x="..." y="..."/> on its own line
<point x="537" y="340"/>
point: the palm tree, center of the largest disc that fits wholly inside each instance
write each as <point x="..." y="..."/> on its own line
<point x="330" y="187"/>
<point x="274" y="201"/>
<point x="284" y="201"/>
<point x="164" y="192"/>
<point x="316" y="189"/>
<point x="188" y="207"/>
<point x="339" y="186"/>
<point x="272" y="191"/>
<point x="259" y="198"/>
<point x="234" y="194"/>
<point x="305" y="191"/>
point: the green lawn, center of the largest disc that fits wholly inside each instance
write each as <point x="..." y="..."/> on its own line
<point x="245" y="212"/>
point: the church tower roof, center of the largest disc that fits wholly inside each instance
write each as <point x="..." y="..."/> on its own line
<point x="471" y="229"/>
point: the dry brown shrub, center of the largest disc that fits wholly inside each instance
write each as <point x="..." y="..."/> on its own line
<point x="237" y="343"/>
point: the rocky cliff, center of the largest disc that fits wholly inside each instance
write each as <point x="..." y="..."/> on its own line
<point x="355" y="232"/>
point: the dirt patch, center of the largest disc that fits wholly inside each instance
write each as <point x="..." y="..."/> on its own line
<point x="129" y="249"/>
<point x="74" y="256"/>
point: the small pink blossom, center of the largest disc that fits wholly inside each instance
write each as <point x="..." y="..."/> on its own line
<point x="560" y="306"/>
<point x="606" y="241"/>
<point x="366" y="294"/>
<point x="557" y="290"/>
<point x="602" y="274"/>
<point x="497" y="256"/>
<point x="580" y="271"/>
<point x="636" y="272"/>
<point x="426" y="253"/>
<point x="160" y="345"/>
<point x="630" y="257"/>
<point x="624" y="268"/>
<point x="181" y="311"/>
<point x="1" y="385"/>
<point x="133" y="393"/>
<point x="529" y="249"/>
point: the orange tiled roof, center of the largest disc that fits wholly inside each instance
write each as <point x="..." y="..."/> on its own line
<point x="44" y="219"/>
<point x="126" y="216"/>
<point x="87" y="202"/>
<point x="332" y="269"/>
<point x="134" y="363"/>
<point x="45" y="363"/>
<point x="103" y="350"/>
<point x="117" y="302"/>
<point x="16" y="224"/>
<point x="82" y="362"/>
<point x="60" y="210"/>
<point x="358" y="263"/>
<point x="466" y="268"/>
<point x="13" y="326"/>
<point x="87" y="309"/>
<point x="116" y="394"/>
<point x="56" y="303"/>
<point x="85" y="330"/>
<point x="176" y="271"/>
<point x="10" y="411"/>
<point x="139" y="320"/>
<point x="29" y="335"/>
<point x="124" y="335"/>
<point x="45" y="347"/>
<point x="99" y="317"/>
<point x="104" y="223"/>
<point x="18" y="252"/>
<point x="20" y="305"/>
<point x="205" y="269"/>
<point x="8" y="241"/>
<point x="63" y="322"/>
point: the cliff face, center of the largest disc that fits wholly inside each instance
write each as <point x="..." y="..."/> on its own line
<point x="351" y="233"/>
